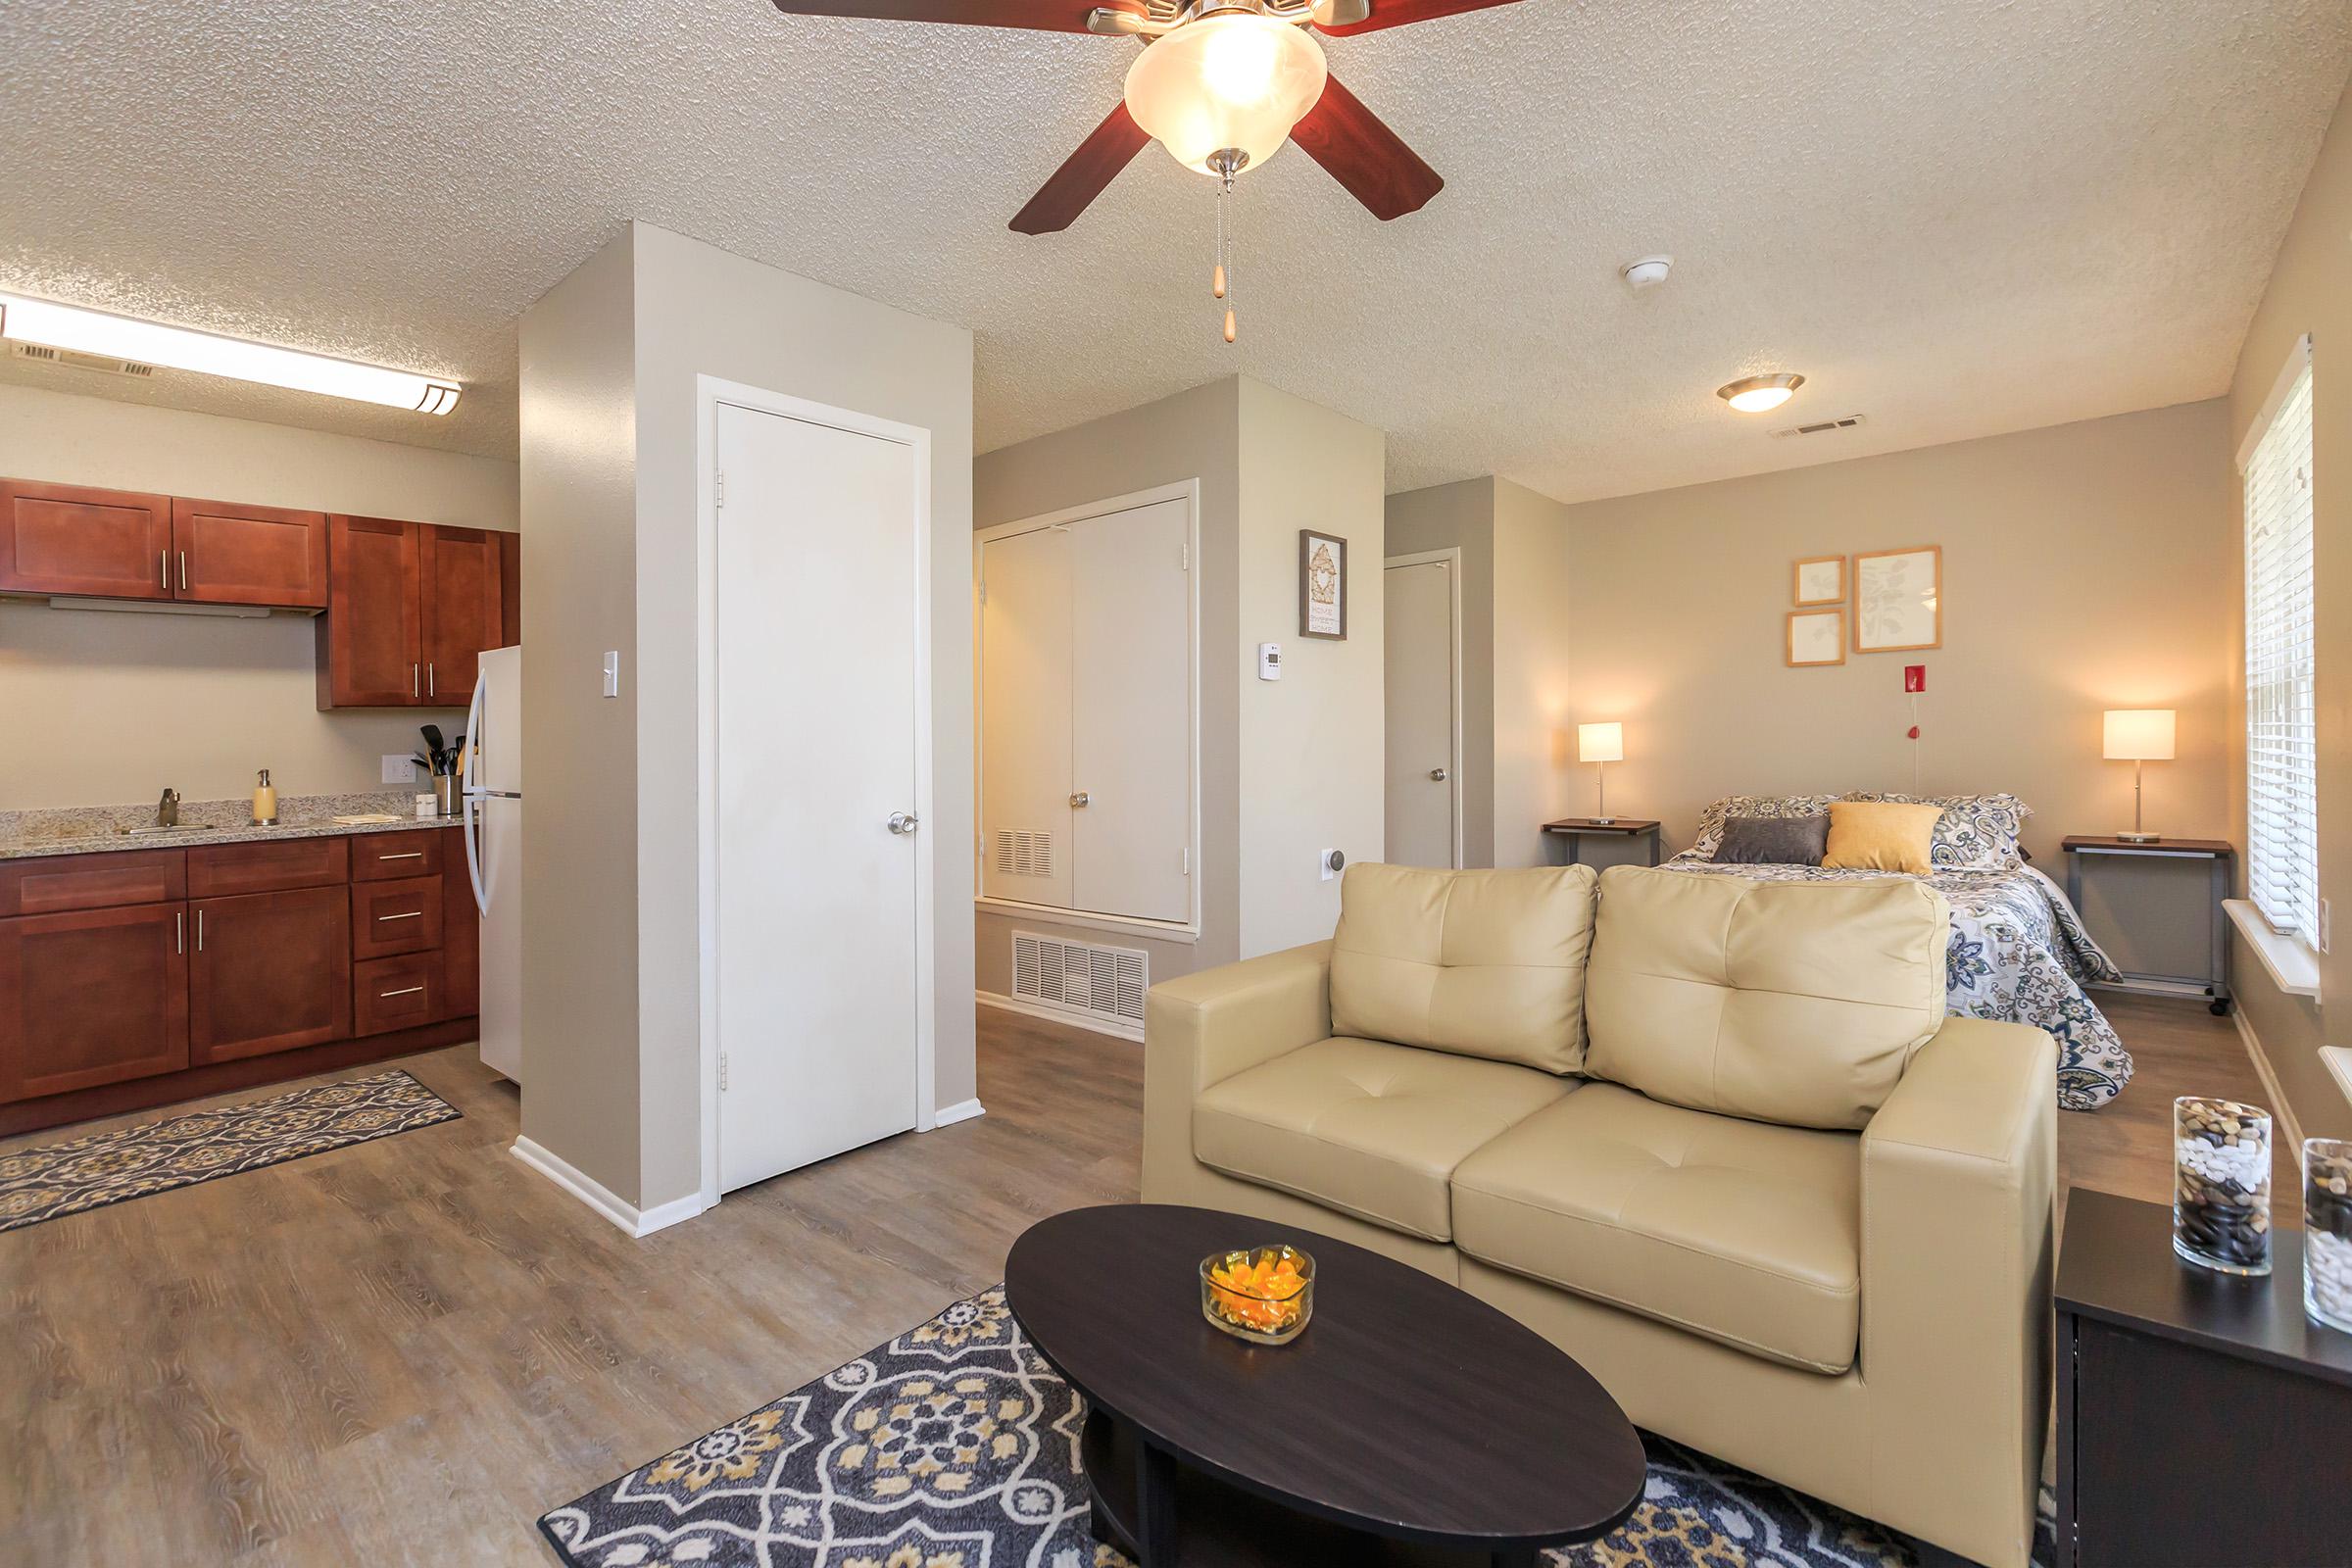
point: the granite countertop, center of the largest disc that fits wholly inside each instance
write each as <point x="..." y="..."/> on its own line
<point x="99" y="829"/>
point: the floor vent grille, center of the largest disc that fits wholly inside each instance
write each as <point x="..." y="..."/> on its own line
<point x="1101" y="982"/>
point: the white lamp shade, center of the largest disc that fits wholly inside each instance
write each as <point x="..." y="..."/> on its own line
<point x="2139" y="734"/>
<point x="1236" y="80"/>
<point x="1600" y="742"/>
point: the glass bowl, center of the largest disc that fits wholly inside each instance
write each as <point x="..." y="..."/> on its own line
<point x="1261" y="1295"/>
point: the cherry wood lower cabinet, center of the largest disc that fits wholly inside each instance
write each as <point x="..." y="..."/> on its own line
<point x="397" y="993"/>
<point x="461" y="932"/>
<point x="272" y="971"/>
<point x="92" y="997"/>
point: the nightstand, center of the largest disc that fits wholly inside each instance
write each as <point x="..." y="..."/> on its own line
<point x="1633" y="832"/>
<point x="2201" y="1417"/>
<point x="2156" y="907"/>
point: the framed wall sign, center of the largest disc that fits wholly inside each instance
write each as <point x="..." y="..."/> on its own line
<point x="1819" y="580"/>
<point x="1899" y="600"/>
<point x="1322" y="585"/>
<point x="1815" y="637"/>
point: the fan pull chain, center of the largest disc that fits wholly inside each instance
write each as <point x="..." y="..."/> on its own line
<point x="1220" y="284"/>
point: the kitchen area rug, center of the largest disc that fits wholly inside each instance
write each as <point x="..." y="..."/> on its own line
<point x="50" y="1181"/>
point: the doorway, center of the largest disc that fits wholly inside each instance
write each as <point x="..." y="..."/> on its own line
<point x="1424" y="687"/>
<point x="817" y="869"/>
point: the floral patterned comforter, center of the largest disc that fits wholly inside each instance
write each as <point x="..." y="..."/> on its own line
<point x="2019" y="954"/>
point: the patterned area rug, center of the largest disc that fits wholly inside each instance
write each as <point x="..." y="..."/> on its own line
<point x="53" y="1180"/>
<point x="955" y="1445"/>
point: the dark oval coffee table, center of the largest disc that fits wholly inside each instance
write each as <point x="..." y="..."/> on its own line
<point x="1411" y="1424"/>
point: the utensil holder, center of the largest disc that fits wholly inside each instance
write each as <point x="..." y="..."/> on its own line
<point x="2222" y="1185"/>
<point x="445" y="794"/>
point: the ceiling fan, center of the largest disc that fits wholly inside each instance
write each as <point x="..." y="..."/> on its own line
<point x="1221" y="84"/>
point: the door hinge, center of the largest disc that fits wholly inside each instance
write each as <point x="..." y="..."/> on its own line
<point x="1184" y="558"/>
<point x="1187" y="862"/>
<point x="984" y="590"/>
<point x="718" y="490"/>
<point x="722" y="1069"/>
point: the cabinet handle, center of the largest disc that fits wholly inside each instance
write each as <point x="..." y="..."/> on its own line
<point x="163" y="571"/>
<point x="432" y="688"/>
<point x="183" y="571"/>
<point x="413" y="914"/>
<point x="180" y="926"/>
<point x="403" y="991"/>
<point x="198" y="930"/>
<point x="415" y="687"/>
<point x="410" y="855"/>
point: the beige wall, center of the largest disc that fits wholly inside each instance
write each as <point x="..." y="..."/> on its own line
<point x="1193" y="434"/>
<point x="2310" y="291"/>
<point x="2085" y="567"/>
<point x="1534" y="695"/>
<point x="1461" y="517"/>
<point x="107" y="709"/>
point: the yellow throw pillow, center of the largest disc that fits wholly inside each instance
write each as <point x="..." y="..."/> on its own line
<point x="1879" y="836"/>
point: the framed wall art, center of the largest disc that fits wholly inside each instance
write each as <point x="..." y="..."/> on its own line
<point x="1322" y="585"/>
<point x="1815" y="637"/>
<point x="1899" y="600"/>
<point x="1818" y="580"/>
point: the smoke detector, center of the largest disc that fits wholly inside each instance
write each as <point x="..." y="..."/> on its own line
<point x="1648" y="273"/>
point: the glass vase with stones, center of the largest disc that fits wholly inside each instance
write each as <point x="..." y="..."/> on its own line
<point x="2327" y="1231"/>
<point x="2222" y="1185"/>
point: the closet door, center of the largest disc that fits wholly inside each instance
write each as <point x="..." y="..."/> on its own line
<point x="1026" y="659"/>
<point x="1131" y="755"/>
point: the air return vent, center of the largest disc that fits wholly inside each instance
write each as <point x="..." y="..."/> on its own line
<point x="1105" y="982"/>
<point x="1024" y="852"/>
<point x="1822" y="426"/>
<point x="43" y="354"/>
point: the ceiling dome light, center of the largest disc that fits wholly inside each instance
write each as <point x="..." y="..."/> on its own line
<point x="1757" y="394"/>
<point x="1234" y="80"/>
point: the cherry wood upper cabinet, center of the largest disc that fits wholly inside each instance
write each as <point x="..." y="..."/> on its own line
<point x="225" y="554"/>
<point x="509" y="566"/>
<point x="92" y="997"/>
<point x="462" y="608"/>
<point x="370" y="649"/>
<point x="270" y="971"/>
<point x="70" y="539"/>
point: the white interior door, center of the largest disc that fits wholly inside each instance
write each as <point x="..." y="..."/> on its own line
<point x="1131" y="755"/>
<point x="1424" y="773"/>
<point x="818" y="550"/>
<point x="1025" y="717"/>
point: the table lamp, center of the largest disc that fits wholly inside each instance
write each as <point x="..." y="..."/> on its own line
<point x="2139" y="735"/>
<point x="1602" y="745"/>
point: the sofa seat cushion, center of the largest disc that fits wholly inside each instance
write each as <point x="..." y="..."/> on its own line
<point x="1743" y="1232"/>
<point x="1365" y="1127"/>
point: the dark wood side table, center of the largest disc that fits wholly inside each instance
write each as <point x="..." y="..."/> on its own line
<point x="1573" y="830"/>
<point x="2202" y="1419"/>
<point x="2214" y="856"/>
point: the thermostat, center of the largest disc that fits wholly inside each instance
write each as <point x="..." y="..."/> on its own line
<point x="1269" y="661"/>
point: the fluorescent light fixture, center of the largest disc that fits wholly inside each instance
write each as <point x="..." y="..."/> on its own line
<point x="179" y="348"/>
<point x="1754" y="394"/>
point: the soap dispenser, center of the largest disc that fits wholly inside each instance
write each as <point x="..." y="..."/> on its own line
<point x="264" y="802"/>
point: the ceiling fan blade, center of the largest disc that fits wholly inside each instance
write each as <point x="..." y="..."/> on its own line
<point x="1365" y="155"/>
<point x="1051" y="16"/>
<point x="1397" y="13"/>
<point x="1082" y="176"/>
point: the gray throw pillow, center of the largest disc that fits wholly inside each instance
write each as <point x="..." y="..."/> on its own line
<point x="1774" y="840"/>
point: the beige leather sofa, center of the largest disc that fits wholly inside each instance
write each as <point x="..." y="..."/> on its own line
<point x="1713" y="1137"/>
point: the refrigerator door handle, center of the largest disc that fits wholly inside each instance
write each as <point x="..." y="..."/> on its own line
<point x="473" y="852"/>
<point x="468" y="768"/>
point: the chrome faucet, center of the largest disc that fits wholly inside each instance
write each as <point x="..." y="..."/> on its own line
<point x="167" y="809"/>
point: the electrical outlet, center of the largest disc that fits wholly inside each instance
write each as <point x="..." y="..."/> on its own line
<point x="1915" y="677"/>
<point x="400" y="770"/>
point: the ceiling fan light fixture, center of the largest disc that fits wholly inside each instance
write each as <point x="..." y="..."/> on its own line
<point x="1758" y="394"/>
<point x="1234" y="80"/>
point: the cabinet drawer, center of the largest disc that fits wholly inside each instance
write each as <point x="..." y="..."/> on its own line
<point x="55" y="884"/>
<point x="388" y="857"/>
<point x="389" y="917"/>
<point x="388" y="994"/>
<point x="215" y="869"/>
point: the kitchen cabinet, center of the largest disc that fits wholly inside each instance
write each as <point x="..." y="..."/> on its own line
<point x="394" y="918"/>
<point x="215" y="869"/>
<point x="461" y="607"/>
<point x="92" y="997"/>
<point x="509" y="588"/>
<point x="390" y="856"/>
<point x="398" y="993"/>
<point x="461" y="932"/>
<point x="411" y="606"/>
<point x="72" y="539"/>
<point x="54" y="884"/>
<point x="268" y="971"/>
<point x="229" y="554"/>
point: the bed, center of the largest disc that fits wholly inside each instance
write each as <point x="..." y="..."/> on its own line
<point x="2019" y="952"/>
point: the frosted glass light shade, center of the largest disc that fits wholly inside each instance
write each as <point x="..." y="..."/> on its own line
<point x="1238" y="80"/>
<point x="178" y="348"/>
<point x="1600" y="742"/>
<point x="2139" y="734"/>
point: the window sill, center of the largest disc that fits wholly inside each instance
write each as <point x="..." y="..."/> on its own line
<point x="2293" y="967"/>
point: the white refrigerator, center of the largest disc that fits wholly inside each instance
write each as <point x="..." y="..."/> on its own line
<point x="493" y="800"/>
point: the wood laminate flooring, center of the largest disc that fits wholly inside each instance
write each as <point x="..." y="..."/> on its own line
<point x="406" y="1351"/>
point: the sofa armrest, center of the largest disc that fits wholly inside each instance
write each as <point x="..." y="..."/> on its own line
<point x="1958" y="1171"/>
<point x="1203" y="1028"/>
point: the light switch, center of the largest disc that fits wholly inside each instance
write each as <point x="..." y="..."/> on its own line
<point x="612" y="673"/>
<point x="400" y="770"/>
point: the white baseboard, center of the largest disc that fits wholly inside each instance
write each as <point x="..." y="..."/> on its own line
<point x="628" y="1216"/>
<point x="962" y="1110"/>
<point x="1076" y="1020"/>
<point x="2289" y="1128"/>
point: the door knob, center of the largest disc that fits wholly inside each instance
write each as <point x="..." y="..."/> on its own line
<point x="1438" y="773"/>
<point x="903" y="821"/>
<point x="1078" y="799"/>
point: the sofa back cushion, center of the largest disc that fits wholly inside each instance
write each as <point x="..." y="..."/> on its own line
<point x="1479" y="964"/>
<point x="1795" y="1003"/>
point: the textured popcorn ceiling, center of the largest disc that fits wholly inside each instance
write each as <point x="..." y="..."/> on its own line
<point x="1957" y="217"/>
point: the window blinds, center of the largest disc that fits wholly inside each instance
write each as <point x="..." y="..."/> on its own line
<point x="2282" y="767"/>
